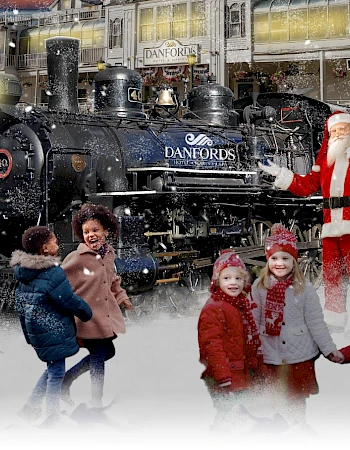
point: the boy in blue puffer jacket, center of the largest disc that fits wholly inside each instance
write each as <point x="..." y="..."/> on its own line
<point x="46" y="306"/>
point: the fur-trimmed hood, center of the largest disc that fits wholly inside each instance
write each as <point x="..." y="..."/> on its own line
<point x="30" y="261"/>
<point x="26" y="266"/>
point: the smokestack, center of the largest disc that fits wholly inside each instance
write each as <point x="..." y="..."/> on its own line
<point x="62" y="70"/>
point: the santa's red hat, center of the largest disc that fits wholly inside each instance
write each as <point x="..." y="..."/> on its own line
<point x="227" y="258"/>
<point x="281" y="240"/>
<point x="333" y="119"/>
<point x="337" y="117"/>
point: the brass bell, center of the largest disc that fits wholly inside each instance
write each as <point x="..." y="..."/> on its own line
<point x="165" y="97"/>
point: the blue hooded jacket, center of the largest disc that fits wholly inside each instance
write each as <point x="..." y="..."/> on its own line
<point x="46" y="305"/>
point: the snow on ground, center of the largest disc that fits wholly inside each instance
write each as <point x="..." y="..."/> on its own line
<point x="154" y="397"/>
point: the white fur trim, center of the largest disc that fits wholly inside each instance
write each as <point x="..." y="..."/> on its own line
<point x="337" y="118"/>
<point x="284" y="178"/>
<point x="335" y="230"/>
<point x="30" y="261"/>
<point x="316" y="168"/>
<point x="335" y="319"/>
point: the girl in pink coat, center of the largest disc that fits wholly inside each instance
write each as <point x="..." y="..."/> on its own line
<point x="91" y="272"/>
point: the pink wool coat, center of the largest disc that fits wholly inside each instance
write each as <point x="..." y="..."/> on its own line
<point x="95" y="280"/>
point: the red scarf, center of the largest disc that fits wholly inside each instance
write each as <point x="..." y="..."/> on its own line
<point x="252" y="347"/>
<point x="274" y="309"/>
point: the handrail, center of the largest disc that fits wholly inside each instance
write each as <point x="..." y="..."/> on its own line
<point x="87" y="56"/>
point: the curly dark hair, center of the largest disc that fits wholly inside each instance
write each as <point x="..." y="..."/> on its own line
<point x="35" y="237"/>
<point x="89" y="211"/>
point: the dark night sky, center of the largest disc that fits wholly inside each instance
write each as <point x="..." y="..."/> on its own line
<point x="24" y="4"/>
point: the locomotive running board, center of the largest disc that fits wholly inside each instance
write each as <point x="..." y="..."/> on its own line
<point x="197" y="171"/>
<point x="117" y="193"/>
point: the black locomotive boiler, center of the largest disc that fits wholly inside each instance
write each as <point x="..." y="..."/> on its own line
<point x="182" y="189"/>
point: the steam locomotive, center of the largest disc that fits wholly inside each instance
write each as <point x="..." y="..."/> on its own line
<point x="182" y="189"/>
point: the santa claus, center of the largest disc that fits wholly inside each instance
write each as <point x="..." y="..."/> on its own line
<point x="331" y="174"/>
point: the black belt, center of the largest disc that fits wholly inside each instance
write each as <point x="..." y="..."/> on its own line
<point x="336" y="202"/>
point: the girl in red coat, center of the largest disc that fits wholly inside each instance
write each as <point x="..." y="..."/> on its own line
<point x="228" y="338"/>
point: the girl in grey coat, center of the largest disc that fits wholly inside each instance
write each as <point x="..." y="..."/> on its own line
<point x="292" y="329"/>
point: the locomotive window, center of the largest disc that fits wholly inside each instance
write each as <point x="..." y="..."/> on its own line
<point x="290" y="115"/>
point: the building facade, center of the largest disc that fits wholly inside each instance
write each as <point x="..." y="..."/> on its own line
<point x="296" y="45"/>
<point x="268" y="45"/>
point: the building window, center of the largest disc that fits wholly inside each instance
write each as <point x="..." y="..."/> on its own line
<point x="297" y="24"/>
<point x="146" y="24"/>
<point x="66" y="4"/>
<point x="317" y="22"/>
<point x="297" y="20"/>
<point x="279" y="26"/>
<point x="261" y="28"/>
<point x="163" y="22"/>
<point x="198" y="19"/>
<point x="236" y="20"/>
<point x="181" y="20"/>
<point x="338" y="20"/>
<point x="116" y="33"/>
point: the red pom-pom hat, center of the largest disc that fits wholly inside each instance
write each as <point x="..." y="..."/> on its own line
<point x="227" y="258"/>
<point x="281" y="240"/>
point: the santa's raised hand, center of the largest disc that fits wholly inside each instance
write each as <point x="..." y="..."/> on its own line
<point x="272" y="169"/>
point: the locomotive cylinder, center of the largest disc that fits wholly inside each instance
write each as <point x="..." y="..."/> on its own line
<point x="118" y="91"/>
<point x="62" y="69"/>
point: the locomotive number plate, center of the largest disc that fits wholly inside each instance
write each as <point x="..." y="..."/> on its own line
<point x="5" y="162"/>
<point x="134" y="95"/>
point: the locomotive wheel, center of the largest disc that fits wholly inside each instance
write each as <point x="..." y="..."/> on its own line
<point x="310" y="253"/>
<point x="259" y="231"/>
<point x="252" y="250"/>
<point x="145" y="307"/>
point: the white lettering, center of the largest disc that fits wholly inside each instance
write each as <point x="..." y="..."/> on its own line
<point x="169" y="152"/>
<point x="203" y="153"/>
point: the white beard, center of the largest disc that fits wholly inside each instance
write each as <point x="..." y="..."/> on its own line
<point x="337" y="149"/>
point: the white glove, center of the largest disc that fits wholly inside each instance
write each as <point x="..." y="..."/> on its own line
<point x="272" y="169"/>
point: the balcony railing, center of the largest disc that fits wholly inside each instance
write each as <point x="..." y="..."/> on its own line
<point x="71" y="15"/>
<point x="10" y="19"/>
<point x="7" y="61"/>
<point x="88" y="57"/>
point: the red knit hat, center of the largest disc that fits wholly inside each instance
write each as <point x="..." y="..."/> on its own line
<point x="281" y="240"/>
<point x="333" y="119"/>
<point x="227" y="258"/>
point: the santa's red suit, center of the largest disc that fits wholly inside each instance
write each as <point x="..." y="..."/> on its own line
<point x="334" y="182"/>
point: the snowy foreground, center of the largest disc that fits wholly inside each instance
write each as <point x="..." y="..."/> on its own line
<point x="155" y="399"/>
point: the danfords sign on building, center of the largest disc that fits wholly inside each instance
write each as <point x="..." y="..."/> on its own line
<point x="170" y="52"/>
